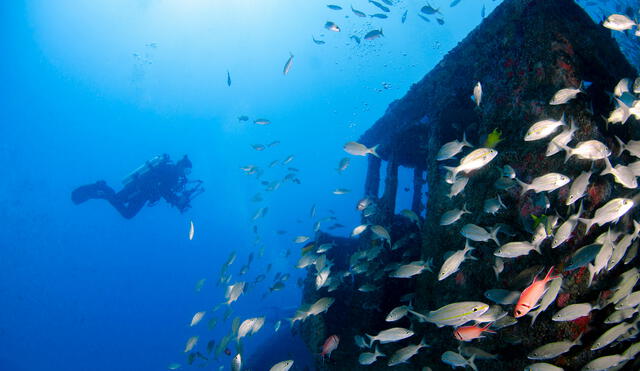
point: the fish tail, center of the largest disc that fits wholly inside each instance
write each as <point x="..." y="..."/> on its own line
<point x="373" y="150"/>
<point x="464" y="209"/>
<point x="464" y="139"/>
<point x="500" y="202"/>
<point x="548" y="277"/>
<point x="588" y="223"/>
<point x="621" y="144"/>
<point x="608" y="169"/>
<point x="486" y="328"/>
<point x="371" y="339"/>
<point x="381" y="31"/>
<point x="592" y="273"/>
<point x="536" y="247"/>
<point x="494" y="235"/>
<point x="534" y="315"/>
<point x="471" y="363"/>
<point x="525" y="186"/>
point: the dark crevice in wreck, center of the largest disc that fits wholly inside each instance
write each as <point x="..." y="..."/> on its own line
<point x="522" y="53"/>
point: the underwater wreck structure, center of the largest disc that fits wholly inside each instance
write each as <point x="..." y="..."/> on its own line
<point x="522" y="53"/>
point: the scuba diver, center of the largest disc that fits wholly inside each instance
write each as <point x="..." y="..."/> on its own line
<point x="157" y="178"/>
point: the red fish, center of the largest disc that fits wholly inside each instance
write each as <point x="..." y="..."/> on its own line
<point x="468" y="333"/>
<point x="330" y="345"/>
<point x="530" y="296"/>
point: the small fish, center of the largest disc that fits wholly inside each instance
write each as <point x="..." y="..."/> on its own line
<point x="344" y="164"/>
<point x="553" y="350"/>
<point x="317" y="42"/>
<point x="301" y="239"/>
<point x="468" y="333"/>
<point x="589" y="150"/>
<point x="516" y="249"/>
<point x="355" y="38"/>
<point x="622" y="174"/>
<point x="545" y="183"/>
<point x="243" y="118"/>
<point x="453" y="216"/>
<point x="453" y="262"/>
<point x="578" y="188"/>
<point x="258" y="147"/>
<point x="357" y="149"/>
<point x="454" y="314"/>
<point x="473" y="161"/>
<point x="334" y="7"/>
<point x="191" y="230"/>
<point x="174" y="366"/>
<point x="397" y="313"/>
<point x="404" y="16"/>
<point x="454" y="3"/>
<point x="566" y="229"/>
<point x="477" y="94"/>
<point x="378" y="15"/>
<point x="341" y="191"/>
<point x="373" y="34"/>
<point x="329" y="346"/>
<point x="483" y="12"/>
<point x="479" y="234"/>
<point x="191" y="343"/>
<point x="391" y="335"/>
<point x="618" y="22"/>
<point x="572" y="312"/>
<point x="236" y="363"/>
<point x="228" y="78"/>
<point x="262" y="122"/>
<point x="332" y="26"/>
<point x="440" y="21"/>
<point x="493" y="205"/>
<point x="403" y="355"/>
<point x="380" y="6"/>
<point x="429" y="10"/>
<point x="368" y="358"/>
<point x="562" y="139"/>
<point x="287" y="66"/>
<point x="563" y="96"/>
<point x="197" y="318"/>
<point x="457" y="360"/>
<point x="606" y="363"/>
<point x="282" y="366"/>
<point x="450" y="149"/>
<point x="611" y="211"/>
<point x="612" y="335"/>
<point x="501" y="296"/>
<point x="358" y="13"/>
<point x="530" y="296"/>
<point x="543" y="129"/>
<point x="493" y="138"/>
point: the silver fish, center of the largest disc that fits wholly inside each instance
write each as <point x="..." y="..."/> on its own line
<point x="516" y="249"/>
<point x="368" y="358"/>
<point x="450" y="149"/>
<point x="236" y="363"/>
<point x="479" y="234"/>
<point x="477" y="94"/>
<point x="358" y="12"/>
<point x="545" y="183"/>
<point x="391" y="335"/>
<point x="566" y="229"/>
<point x="493" y="205"/>
<point x="373" y="34"/>
<point x="552" y="350"/>
<point x="563" y="96"/>
<point x="453" y="216"/>
<point x="543" y="129"/>
<point x="332" y="26"/>
<point x="620" y="249"/>
<point x="611" y="211"/>
<point x="611" y="335"/>
<point x="458" y="186"/>
<point x="357" y="149"/>
<point x="282" y="366"/>
<point x="561" y="139"/>
<point x="622" y="174"/>
<point x="403" y="355"/>
<point x="454" y="314"/>
<point x="589" y="150"/>
<point x="632" y="146"/>
<point x="475" y="160"/>
<point x="453" y="262"/>
<point x="397" y="313"/>
<point x="572" y="312"/>
<point x="578" y="187"/>
<point x="621" y="315"/>
<point x="606" y="362"/>
<point x="543" y="367"/>
<point x="618" y="22"/>
<point x="288" y="65"/>
<point x="501" y="296"/>
<point x="457" y="360"/>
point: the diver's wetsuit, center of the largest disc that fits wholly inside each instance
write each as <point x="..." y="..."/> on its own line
<point x="163" y="180"/>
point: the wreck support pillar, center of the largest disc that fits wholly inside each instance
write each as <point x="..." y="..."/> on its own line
<point x="372" y="184"/>
<point x="418" y="184"/>
<point x="388" y="200"/>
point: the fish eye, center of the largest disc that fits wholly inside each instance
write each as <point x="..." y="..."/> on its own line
<point x="475" y="309"/>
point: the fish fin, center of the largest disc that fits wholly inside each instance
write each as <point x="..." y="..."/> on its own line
<point x="587" y="222"/>
<point x="501" y="203"/>
<point x="592" y="273"/>
<point x="464" y="140"/>
<point x="464" y="209"/>
<point x="373" y="150"/>
<point x="494" y="235"/>
<point x="371" y="339"/>
<point x="549" y="277"/>
<point x="536" y="247"/>
<point x="525" y="186"/>
<point x="471" y="363"/>
<point x="534" y="314"/>
<point x="621" y="144"/>
<point x="608" y="169"/>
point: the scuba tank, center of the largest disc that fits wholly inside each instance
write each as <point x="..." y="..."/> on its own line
<point x="143" y="169"/>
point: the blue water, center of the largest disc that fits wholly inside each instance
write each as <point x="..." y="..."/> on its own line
<point x="92" y="89"/>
